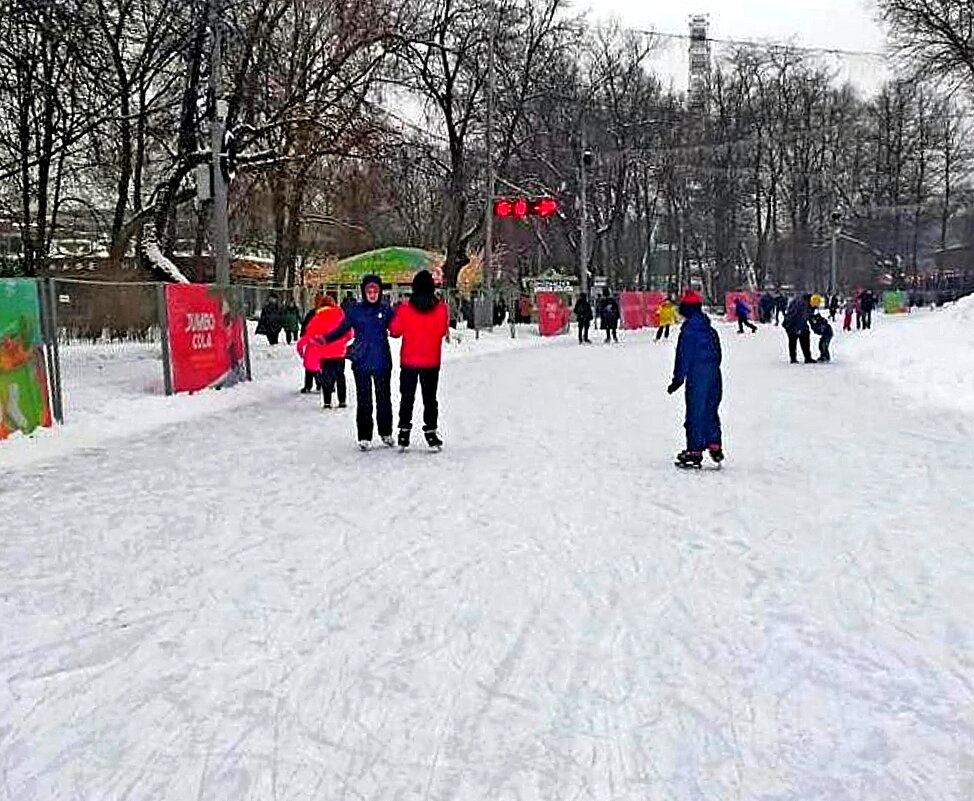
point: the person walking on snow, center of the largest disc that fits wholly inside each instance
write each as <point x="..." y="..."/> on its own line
<point x="820" y="326"/>
<point x="609" y="315"/>
<point x="291" y="321"/>
<point x="271" y="320"/>
<point x="833" y="306"/>
<point x="697" y="365"/>
<point x="583" y="316"/>
<point x="780" y="306"/>
<point x="667" y="317"/>
<point x="848" y="312"/>
<point x="371" y="361"/>
<point x="742" y="310"/>
<point x="423" y="322"/>
<point x="796" y="326"/>
<point x="330" y="356"/>
<point x="312" y="362"/>
<point x="867" y="302"/>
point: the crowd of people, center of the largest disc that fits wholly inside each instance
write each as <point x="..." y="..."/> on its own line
<point x="358" y="331"/>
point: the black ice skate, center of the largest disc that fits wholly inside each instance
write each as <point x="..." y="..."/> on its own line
<point x="435" y="443"/>
<point x="716" y="453"/>
<point x="403" y="439"/>
<point x="689" y="460"/>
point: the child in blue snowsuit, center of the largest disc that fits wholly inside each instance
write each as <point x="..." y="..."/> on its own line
<point x="820" y="326"/>
<point x="698" y="366"/>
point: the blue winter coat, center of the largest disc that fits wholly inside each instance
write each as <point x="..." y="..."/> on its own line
<point x="370" y="323"/>
<point x="698" y="365"/>
<point x="741" y="309"/>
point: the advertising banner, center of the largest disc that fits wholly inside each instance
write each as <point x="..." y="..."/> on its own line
<point x="24" y="400"/>
<point x="206" y="342"/>
<point x="651" y="303"/>
<point x="553" y="315"/>
<point x="632" y="310"/>
<point x="751" y="299"/>
<point x="896" y="302"/>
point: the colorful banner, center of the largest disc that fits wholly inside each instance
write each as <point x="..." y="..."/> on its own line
<point x="553" y="315"/>
<point x="206" y="342"/>
<point x="751" y="299"/>
<point x="632" y="310"/>
<point x="651" y="303"/>
<point x="24" y="400"/>
<point x="896" y="302"/>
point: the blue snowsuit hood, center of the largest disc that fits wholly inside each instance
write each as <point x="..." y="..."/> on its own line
<point x="697" y="364"/>
<point x="369" y="322"/>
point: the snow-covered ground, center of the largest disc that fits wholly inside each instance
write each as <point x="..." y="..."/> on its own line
<point x="225" y="600"/>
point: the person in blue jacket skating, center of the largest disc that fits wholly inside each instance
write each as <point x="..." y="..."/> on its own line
<point x="698" y="366"/>
<point x="371" y="360"/>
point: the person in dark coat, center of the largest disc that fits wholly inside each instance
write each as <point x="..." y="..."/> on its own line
<point x="796" y="326"/>
<point x="583" y="316"/>
<point x="742" y="311"/>
<point x="291" y="321"/>
<point x="371" y="361"/>
<point x="766" y="307"/>
<point x="780" y="306"/>
<point x="271" y="320"/>
<point x="697" y="366"/>
<point x="867" y="302"/>
<point x="820" y="326"/>
<point x="609" y="315"/>
<point x="833" y="306"/>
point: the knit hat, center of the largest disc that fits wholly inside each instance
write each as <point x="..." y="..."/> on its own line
<point x="423" y="283"/>
<point x="691" y="298"/>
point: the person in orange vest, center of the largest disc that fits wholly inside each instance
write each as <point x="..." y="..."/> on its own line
<point x="423" y="323"/>
<point x="329" y="356"/>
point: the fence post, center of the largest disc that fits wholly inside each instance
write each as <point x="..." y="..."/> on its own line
<point x="163" y="316"/>
<point x="54" y="354"/>
<point x="246" y="344"/>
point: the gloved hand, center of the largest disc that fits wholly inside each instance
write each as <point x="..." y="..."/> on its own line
<point x="673" y="387"/>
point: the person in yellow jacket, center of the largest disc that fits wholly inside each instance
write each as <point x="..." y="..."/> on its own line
<point x="667" y="317"/>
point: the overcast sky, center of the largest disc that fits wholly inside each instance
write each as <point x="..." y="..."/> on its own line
<point x="842" y="24"/>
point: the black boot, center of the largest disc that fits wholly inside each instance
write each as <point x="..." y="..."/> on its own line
<point x="432" y="439"/>
<point x="689" y="459"/>
<point x="403" y="440"/>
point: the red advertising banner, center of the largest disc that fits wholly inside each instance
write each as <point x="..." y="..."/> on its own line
<point x="553" y="315"/>
<point x="651" y="303"/>
<point x="632" y="310"/>
<point x="206" y="342"/>
<point x="750" y="298"/>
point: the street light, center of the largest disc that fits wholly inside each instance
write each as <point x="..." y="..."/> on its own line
<point x="583" y="230"/>
<point x="836" y="217"/>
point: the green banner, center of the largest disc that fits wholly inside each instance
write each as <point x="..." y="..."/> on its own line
<point x="895" y="302"/>
<point x="23" y="376"/>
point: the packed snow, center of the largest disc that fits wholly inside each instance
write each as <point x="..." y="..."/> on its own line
<point x="218" y="597"/>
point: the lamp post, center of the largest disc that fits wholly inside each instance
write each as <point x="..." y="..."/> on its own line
<point x="583" y="227"/>
<point x="833" y="272"/>
<point x="221" y="227"/>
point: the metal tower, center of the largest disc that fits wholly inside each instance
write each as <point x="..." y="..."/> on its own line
<point x="698" y="87"/>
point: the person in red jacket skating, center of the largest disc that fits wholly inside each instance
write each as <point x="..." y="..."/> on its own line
<point x="329" y="356"/>
<point x="423" y="322"/>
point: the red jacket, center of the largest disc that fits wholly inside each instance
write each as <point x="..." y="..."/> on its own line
<point x="325" y="320"/>
<point x="422" y="333"/>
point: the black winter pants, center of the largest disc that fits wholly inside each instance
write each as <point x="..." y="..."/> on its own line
<point x="332" y="375"/>
<point x="867" y="319"/>
<point x="583" y="326"/>
<point x="662" y="331"/>
<point x="804" y="338"/>
<point x="743" y="321"/>
<point x="612" y="333"/>
<point x="428" y="379"/>
<point x="312" y="378"/>
<point x="364" y="383"/>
